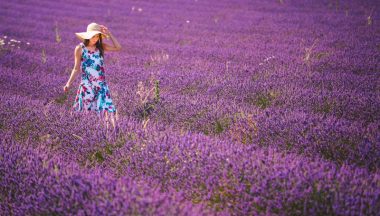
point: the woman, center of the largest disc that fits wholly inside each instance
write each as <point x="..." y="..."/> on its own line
<point x="93" y="93"/>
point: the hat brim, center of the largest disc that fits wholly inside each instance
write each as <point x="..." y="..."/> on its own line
<point x="88" y="35"/>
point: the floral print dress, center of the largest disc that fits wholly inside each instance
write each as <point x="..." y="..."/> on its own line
<point x="93" y="93"/>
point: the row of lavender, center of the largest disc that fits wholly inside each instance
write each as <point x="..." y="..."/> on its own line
<point x="294" y="119"/>
<point x="34" y="183"/>
<point x="292" y="130"/>
<point x="86" y="170"/>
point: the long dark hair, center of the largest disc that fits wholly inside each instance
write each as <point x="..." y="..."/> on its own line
<point x="99" y="44"/>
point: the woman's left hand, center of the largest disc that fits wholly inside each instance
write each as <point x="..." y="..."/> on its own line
<point x="104" y="30"/>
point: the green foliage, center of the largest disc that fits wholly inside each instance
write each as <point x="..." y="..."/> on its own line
<point x="189" y="89"/>
<point x="61" y="99"/>
<point x="132" y="136"/>
<point x="288" y="146"/>
<point x="157" y="91"/>
<point x="327" y="106"/>
<point x="263" y="101"/>
<point x="192" y="120"/>
<point x="147" y="110"/>
<point x="318" y="196"/>
<point x="148" y="105"/>
<point x="246" y="138"/>
<point x="339" y="150"/>
<point x="99" y="156"/>
<point x="217" y="126"/>
<point x="108" y="150"/>
<point x="24" y="131"/>
<point x="221" y="125"/>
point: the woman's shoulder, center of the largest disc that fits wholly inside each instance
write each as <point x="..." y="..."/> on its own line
<point x="81" y="44"/>
<point x="79" y="48"/>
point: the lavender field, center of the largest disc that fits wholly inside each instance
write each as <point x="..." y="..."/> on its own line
<point x="225" y="107"/>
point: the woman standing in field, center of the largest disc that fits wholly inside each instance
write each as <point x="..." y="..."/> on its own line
<point x="93" y="93"/>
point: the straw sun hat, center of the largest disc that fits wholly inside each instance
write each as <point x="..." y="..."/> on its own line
<point x="92" y="29"/>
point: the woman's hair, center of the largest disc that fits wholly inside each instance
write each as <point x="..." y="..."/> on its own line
<point x="99" y="44"/>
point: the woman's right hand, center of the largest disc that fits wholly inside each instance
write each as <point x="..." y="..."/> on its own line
<point x="66" y="88"/>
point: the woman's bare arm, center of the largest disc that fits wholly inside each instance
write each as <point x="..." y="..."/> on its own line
<point x="76" y="69"/>
<point x="116" y="45"/>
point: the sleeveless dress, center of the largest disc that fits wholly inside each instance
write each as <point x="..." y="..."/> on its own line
<point x="93" y="93"/>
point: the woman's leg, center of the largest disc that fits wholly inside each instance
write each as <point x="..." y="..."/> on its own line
<point x="103" y="124"/>
<point x="106" y="119"/>
<point x="113" y="118"/>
